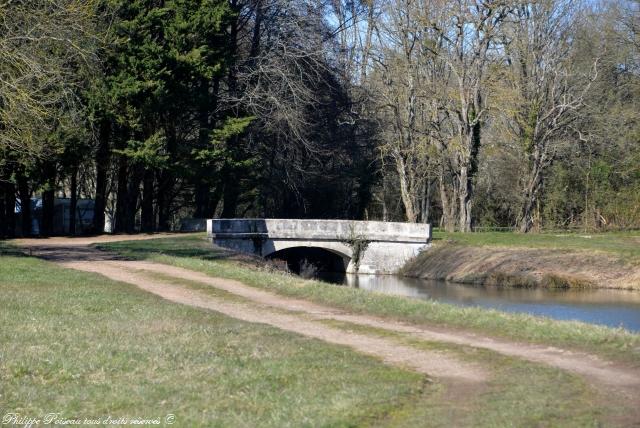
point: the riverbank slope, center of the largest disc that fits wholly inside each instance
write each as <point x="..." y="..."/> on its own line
<point x="609" y="260"/>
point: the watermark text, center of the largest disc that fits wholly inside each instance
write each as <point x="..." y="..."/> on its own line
<point x="58" y="419"/>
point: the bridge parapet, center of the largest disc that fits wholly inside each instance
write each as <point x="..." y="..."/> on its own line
<point x="319" y="230"/>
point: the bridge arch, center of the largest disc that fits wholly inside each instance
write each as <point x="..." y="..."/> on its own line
<point x="272" y="245"/>
<point x="309" y="259"/>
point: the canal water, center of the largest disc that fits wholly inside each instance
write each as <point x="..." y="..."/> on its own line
<point x="613" y="308"/>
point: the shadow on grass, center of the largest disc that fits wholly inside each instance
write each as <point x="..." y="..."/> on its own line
<point x="145" y="251"/>
<point x="9" y="250"/>
<point x="191" y="253"/>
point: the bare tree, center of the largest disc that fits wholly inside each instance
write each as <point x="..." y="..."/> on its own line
<point x="469" y="34"/>
<point x="434" y="57"/>
<point x="548" y="89"/>
<point x="406" y="84"/>
<point x="279" y="68"/>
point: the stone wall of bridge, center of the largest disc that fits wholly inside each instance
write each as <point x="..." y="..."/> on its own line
<point x="384" y="246"/>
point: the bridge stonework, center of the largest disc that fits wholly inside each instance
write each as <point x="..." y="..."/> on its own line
<point x="372" y="247"/>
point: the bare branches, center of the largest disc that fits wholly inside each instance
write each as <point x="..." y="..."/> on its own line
<point x="43" y="47"/>
<point x="549" y="88"/>
<point x="434" y="58"/>
<point x="277" y="86"/>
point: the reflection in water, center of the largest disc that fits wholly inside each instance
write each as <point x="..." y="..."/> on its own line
<point x="614" y="308"/>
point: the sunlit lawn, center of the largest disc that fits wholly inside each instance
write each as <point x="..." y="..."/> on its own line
<point x="622" y="244"/>
<point x="85" y="346"/>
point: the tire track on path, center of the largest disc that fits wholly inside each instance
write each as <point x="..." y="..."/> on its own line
<point x="436" y="364"/>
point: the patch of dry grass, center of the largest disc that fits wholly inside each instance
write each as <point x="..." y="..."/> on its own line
<point x="523" y="267"/>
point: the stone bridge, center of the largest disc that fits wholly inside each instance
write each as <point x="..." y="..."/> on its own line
<point x="336" y="245"/>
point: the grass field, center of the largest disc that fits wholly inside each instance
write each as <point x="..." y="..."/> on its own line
<point x="194" y="252"/>
<point x="84" y="346"/>
<point x="87" y="347"/>
<point x="621" y="244"/>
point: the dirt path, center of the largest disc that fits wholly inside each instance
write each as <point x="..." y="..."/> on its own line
<point x="303" y="316"/>
<point x="431" y="363"/>
<point x="84" y="241"/>
<point x="591" y="366"/>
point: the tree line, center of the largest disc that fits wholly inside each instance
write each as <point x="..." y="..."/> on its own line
<point x="465" y="113"/>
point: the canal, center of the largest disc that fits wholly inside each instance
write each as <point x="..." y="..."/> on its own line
<point x="613" y="308"/>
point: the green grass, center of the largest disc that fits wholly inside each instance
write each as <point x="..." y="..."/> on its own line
<point x="194" y="252"/>
<point x="621" y="244"/>
<point x="84" y="346"/>
<point x="517" y="393"/>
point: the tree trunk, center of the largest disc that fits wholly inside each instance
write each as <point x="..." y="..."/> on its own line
<point x="468" y="169"/>
<point x="367" y="44"/>
<point x="255" y="39"/>
<point x="133" y="192"/>
<point x="406" y="192"/>
<point x="230" y="179"/>
<point x="202" y="199"/>
<point x="7" y="209"/>
<point x="147" y="217"/>
<point x="25" y="205"/>
<point x="121" y="196"/>
<point x="448" y="201"/>
<point x="102" y="165"/>
<point x="464" y="198"/>
<point x="162" y="202"/>
<point x="201" y="187"/>
<point x="230" y="195"/>
<point x="425" y="211"/>
<point x="3" y="209"/>
<point x="73" y="205"/>
<point x="531" y="193"/>
<point x="165" y="191"/>
<point x="10" y="207"/>
<point x="48" y="198"/>
<point x="385" y="211"/>
<point x="214" y="201"/>
<point x="533" y="186"/>
<point x="166" y="181"/>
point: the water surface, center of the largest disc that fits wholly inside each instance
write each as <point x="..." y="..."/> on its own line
<point x="613" y="308"/>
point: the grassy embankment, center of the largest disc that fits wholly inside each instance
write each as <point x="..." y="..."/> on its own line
<point x="194" y="252"/>
<point x="607" y="260"/>
<point x="622" y="244"/>
<point x="87" y="347"/>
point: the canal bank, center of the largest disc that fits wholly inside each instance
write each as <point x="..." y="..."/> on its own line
<point x="593" y="305"/>
<point x="561" y="266"/>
